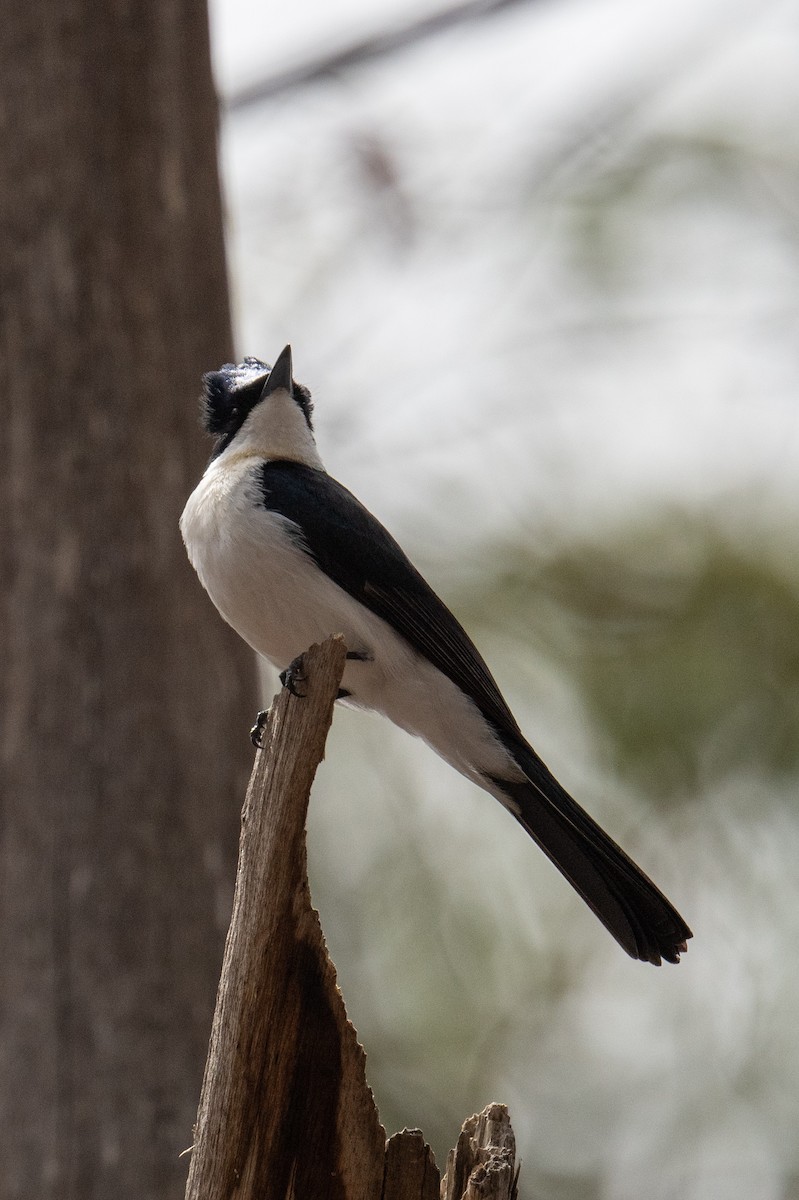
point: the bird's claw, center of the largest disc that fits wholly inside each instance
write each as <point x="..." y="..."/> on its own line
<point x="257" y="731"/>
<point x="292" y="676"/>
<point x="290" y="679"/>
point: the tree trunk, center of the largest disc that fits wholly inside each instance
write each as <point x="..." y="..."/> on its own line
<point x="125" y="700"/>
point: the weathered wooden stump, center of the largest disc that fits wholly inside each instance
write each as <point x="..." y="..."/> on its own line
<point x="285" y="1111"/>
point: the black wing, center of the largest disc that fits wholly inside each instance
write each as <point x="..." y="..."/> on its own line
<point x="357" y="553"/>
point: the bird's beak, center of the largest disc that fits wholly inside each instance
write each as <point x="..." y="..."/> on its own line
<point x="280" y="375"/>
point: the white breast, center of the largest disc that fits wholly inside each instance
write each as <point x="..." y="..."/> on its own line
<point x="249" y="562"/>
<point x="277" y="599"/>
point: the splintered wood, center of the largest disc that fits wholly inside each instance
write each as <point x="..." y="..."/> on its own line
<point x="483" y="1164"/>
<point x="285" y="1110"/>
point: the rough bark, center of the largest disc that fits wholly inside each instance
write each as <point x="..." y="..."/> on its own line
<point x="411" y="1172"/>
<point x="285" y="1109"/>
<point x="125" y="701"/>
<point x="482" y="1165"/>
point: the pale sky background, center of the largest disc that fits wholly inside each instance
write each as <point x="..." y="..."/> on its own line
<point x="455" y="114"/>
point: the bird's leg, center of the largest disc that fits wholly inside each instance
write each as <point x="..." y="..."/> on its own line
<point x="293" y="675"/>
<point x="257" y="731"/>
<point x="356" y="656"/>
<point x="290" y="678"/>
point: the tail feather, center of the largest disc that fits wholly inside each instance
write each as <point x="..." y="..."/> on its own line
<point x="626" y="901"/>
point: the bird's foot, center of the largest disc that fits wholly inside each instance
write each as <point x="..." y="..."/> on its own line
<point x="257" y="731"/>
<point x="294" y="676"/>
<point x="353" y="656"/>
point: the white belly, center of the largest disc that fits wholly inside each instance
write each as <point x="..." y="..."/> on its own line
<point x="280" y="602"/>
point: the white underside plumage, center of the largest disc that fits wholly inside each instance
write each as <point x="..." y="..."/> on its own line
<point x="276" y="597"/>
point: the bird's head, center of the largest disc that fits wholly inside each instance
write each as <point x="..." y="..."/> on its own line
<point x="252" y="408"/>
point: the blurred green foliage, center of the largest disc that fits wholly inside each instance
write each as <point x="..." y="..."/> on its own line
<point x="608" y="213"/>
<point x="684" y="648"/>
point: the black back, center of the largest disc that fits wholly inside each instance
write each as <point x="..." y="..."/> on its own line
<point x="356" y="552"/>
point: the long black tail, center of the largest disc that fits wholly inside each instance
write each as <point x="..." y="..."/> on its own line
<point x="627" y="903"/>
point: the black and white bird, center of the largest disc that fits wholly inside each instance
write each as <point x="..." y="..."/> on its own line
<point x="289" y="557"/>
